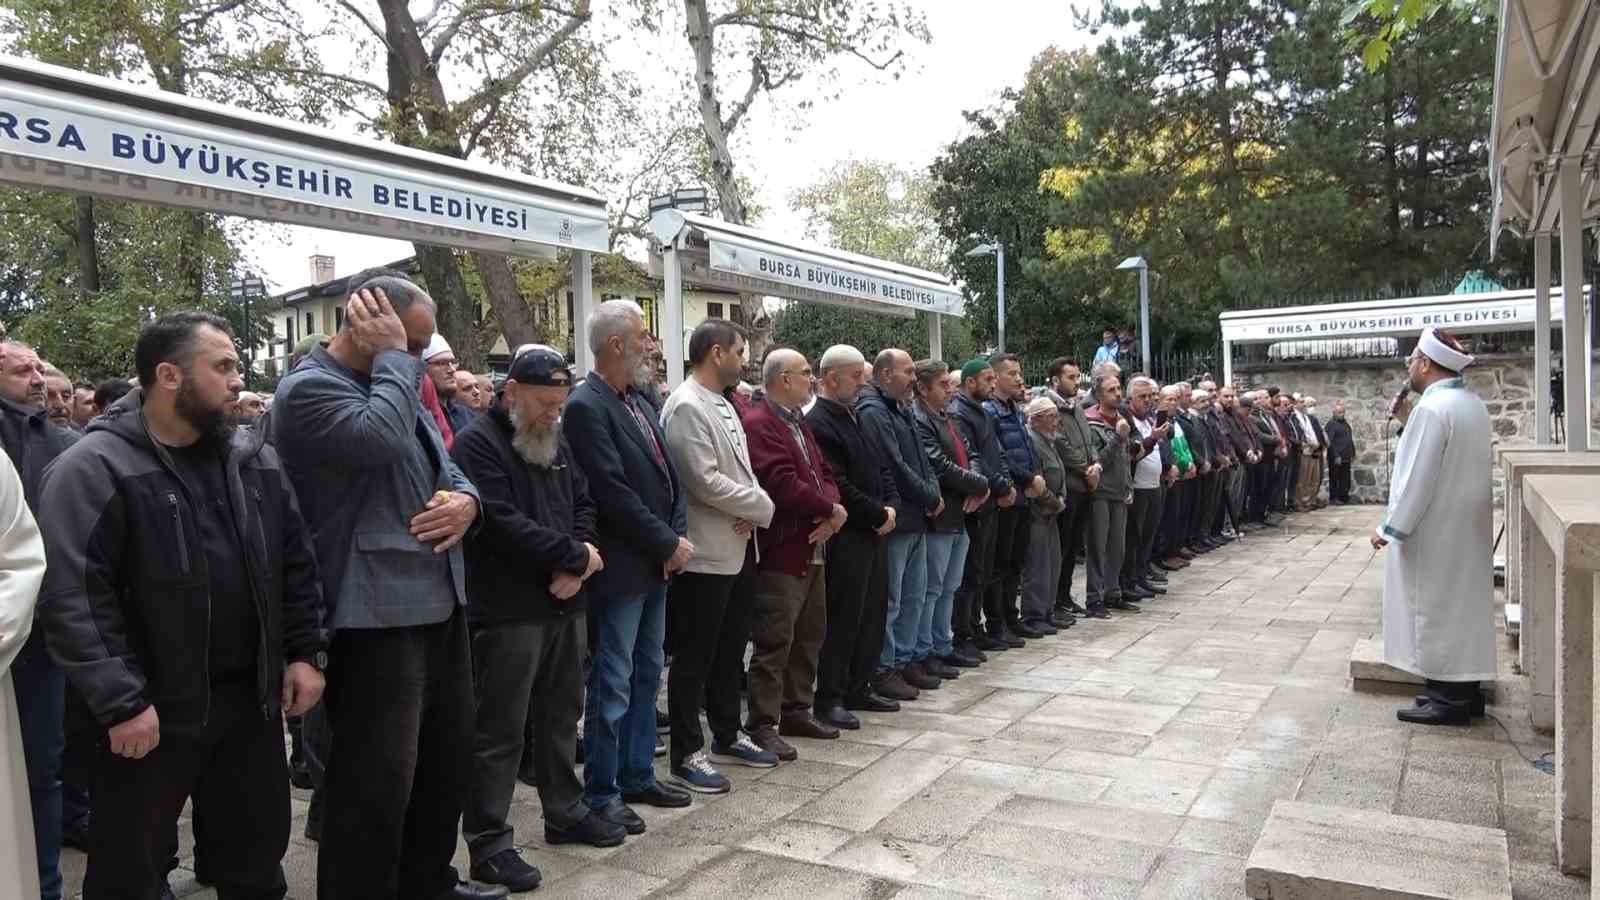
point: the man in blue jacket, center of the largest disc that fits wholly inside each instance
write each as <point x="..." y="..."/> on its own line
<point x="1011" y="534"/>
<point x="977" y="427"/>
<point x="887" y="420"/>
<point x="641" y="519"/>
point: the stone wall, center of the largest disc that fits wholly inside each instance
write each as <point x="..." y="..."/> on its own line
<point x="1505" y="382"/>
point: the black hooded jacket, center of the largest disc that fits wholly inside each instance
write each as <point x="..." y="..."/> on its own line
<point x="126" y="602"/>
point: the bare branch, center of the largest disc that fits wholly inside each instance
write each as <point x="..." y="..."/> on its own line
<point x="478" y="13"/>
<point x="484" y="121"/>
<point x="376" y="31"/>
<point x="808" y="37"/>
<point x="758" y="77"/>
<point x="497" y="88"/>
<point x="200" y="20"/>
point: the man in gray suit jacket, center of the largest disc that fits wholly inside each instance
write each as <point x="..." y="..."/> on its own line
<point x="708" y="605"/>
<point x="387" y="510"/>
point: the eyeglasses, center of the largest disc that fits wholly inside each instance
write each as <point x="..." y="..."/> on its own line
<point x="444" y="363"/>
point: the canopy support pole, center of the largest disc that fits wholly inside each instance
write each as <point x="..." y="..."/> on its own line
<point x="582" y="308"/>
<point x="1574" y="324"/>
<point x="935" y="336"/>
<point x="1541" y="337"/>
<point x="1227" y="362"/>
<point x="670" y="313"/>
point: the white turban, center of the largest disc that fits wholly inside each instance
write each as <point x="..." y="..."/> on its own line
<point x="436" y="346"/>
<point x="1440" y="352"/>
<point x="1039" y="406"/>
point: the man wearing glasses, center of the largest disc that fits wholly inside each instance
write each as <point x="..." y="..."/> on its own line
<point x="442" y="368"/>
<point x="790" y="605"/>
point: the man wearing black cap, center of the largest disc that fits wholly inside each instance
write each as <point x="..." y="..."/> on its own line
<point x="525" y="606"/>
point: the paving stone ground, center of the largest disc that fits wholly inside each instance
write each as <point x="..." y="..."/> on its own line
<point x="1133" y="758"/>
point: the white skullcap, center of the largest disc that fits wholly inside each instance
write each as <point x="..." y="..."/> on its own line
<point x="436" y="345"/>
<point x="1433" y="348"/>
<point x="1039" y="406"/>
<point x="840" y="355"/>
<point x="1202" y="394"/>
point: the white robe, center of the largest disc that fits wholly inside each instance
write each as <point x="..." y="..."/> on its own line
<point x="21" y="571"/>
<point x="1438" y="571"/>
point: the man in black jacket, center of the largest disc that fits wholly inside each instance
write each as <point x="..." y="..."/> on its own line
<point x="32" y="443"/>
<point x="1341" y="453"/>
<point x="525" y="605"/>
<point x="857" y="571"/>
<point x="977" y="428"/>
<point x="183" y="602"/>
<point x="886" y="418"/>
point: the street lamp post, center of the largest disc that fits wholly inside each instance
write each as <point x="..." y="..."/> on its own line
<point x="998" y="251"/>
<point x="1138" y="262"/>
<point x="243" y="289"/>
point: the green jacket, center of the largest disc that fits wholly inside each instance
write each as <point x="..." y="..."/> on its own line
<point x="1182" y="456"/>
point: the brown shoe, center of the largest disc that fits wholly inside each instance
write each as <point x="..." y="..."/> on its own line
<point x="1173" y="563"/>
<point x="920" y="679"/>
<point x="766" y="737"/>
<point x="893" y="687"/>
<point x="802" y="723"/>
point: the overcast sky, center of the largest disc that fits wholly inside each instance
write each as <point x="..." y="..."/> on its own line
<point x="977" y="50"/>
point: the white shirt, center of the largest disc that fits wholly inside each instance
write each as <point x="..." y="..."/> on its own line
<point x="1147" y="472"/>
<point x="1308" y="434"/>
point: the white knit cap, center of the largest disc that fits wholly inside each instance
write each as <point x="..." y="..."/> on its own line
<point x="436" y="345"/>
<point x="839" y="355"/>
<point x="1433" y="348"/>
<point x="1039" y="406"/>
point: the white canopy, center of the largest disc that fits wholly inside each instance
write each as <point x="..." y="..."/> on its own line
<point x="65" y="130"/>
<point x="700" y="250"/>
<point x="1544" y="124"/>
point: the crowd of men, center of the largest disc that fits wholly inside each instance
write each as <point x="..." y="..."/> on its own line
<point x="445" y="581"/>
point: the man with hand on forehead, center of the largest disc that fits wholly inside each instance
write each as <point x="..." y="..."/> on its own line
<point x="387" y="510"/>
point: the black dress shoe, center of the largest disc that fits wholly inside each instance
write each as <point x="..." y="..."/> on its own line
<point x="1122" y="605"/>
<point x="1134" y="592"/>
<point x="1071" y="606"/>
<point x="960" y="660"/>
<point x="839" y="717"/>
<point x="1434" y="714"/>
<point x="1152" y="588"/>
<point x="658" y="795"/>
<point x="938" y="668"/>
<point x="872" y="702"/>
<point x="1044" y="628"/>
<point x="991" y="644"/>
<point x="970" y="648"/>
<point x="1024" y="630"/>
<point x="1012" y="640"/>
<point x="465" y="890"/>
<point x="1063" y="620"/>
<point x="509" y="870"/>
<point x="1096" y="611"/>
<point x="804" y="724"/>
<point x="1477" y="707"/>
<point x="593" y="829"/>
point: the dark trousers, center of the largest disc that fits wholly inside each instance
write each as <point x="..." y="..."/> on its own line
<point x="1074" y="525"/>
<point x="1205" y="508"/>
<point x="1000" y="595"/>
<point x="790" y="620"/>
<point x="708" y="623"/>
<point x="1339" y="482"/>
<point x="1175" y="517"/>
<point x="1288" y="473"/>
<point x="401" y="706"/>
<point x="41" y="709"/>
<point x="1108" y="527"/>
<point x="964" y="619"/>
<point x="237" y="775"/>
<point x="526" y="672"/>
<point x="857" y="583"/>
<point x="1457" y="695"/>
<point x="1142" y="518"/>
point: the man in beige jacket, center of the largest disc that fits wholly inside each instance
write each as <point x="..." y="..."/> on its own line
<point x="708" y="604"/>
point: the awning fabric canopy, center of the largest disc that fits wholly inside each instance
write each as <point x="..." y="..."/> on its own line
<point x="720" y="254"/>
<point x="1399" y="317"/>
<point x="1545" y="108"/>
<point x="64" y="130"/>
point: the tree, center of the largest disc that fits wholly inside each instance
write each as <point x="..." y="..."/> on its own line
<point x="779" y="42"/>
<point x="876" y="209"/>
<point x="1374" y="27"/>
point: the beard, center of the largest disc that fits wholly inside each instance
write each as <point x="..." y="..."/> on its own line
<point x="214" y="424"/>
<point x="641" y="370"/>
<point x="537" y="444"/>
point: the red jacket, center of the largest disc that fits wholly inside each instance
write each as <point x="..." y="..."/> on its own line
<point x="803" y="493"/>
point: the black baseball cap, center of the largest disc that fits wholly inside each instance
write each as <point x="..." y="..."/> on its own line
<point x="538" y="364"/>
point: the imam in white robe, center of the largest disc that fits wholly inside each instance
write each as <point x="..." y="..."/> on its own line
<point x="1438" y="571"/>
<point x="21" y="571"/>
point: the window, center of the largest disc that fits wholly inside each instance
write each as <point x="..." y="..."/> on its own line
<point x="338" y="317"/>
<point x="733" y="310"/>
<point x="311" y="323"/>
<point x="288" y="326"/>
<point x="714" y="310"/>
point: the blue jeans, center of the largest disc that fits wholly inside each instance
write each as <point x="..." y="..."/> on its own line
<point x="619" y="715"/>
<point x="41" y="705"/>
<point x="908" y="589"/>
<point x="947" y="562"/>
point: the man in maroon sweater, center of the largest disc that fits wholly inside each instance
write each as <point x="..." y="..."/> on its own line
<point x="790" y="613"/>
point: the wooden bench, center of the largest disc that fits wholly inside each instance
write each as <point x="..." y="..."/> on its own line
<point x="1564" y="540"/>
<point x="1536" y="648"/>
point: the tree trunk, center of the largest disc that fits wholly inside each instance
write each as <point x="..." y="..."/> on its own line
<point x="423" y="121"/>
<point x="88" y="250"/>
<point x="1391" y="160"/>
<point x="702" y="40"/>
<point x="442" y="274"/>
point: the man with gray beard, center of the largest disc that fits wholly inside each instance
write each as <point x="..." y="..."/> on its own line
<point x="525" y="605"/>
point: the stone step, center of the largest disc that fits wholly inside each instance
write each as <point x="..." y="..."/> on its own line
<point x="1307" y="851"/>
<point x="1372" y="675"/>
